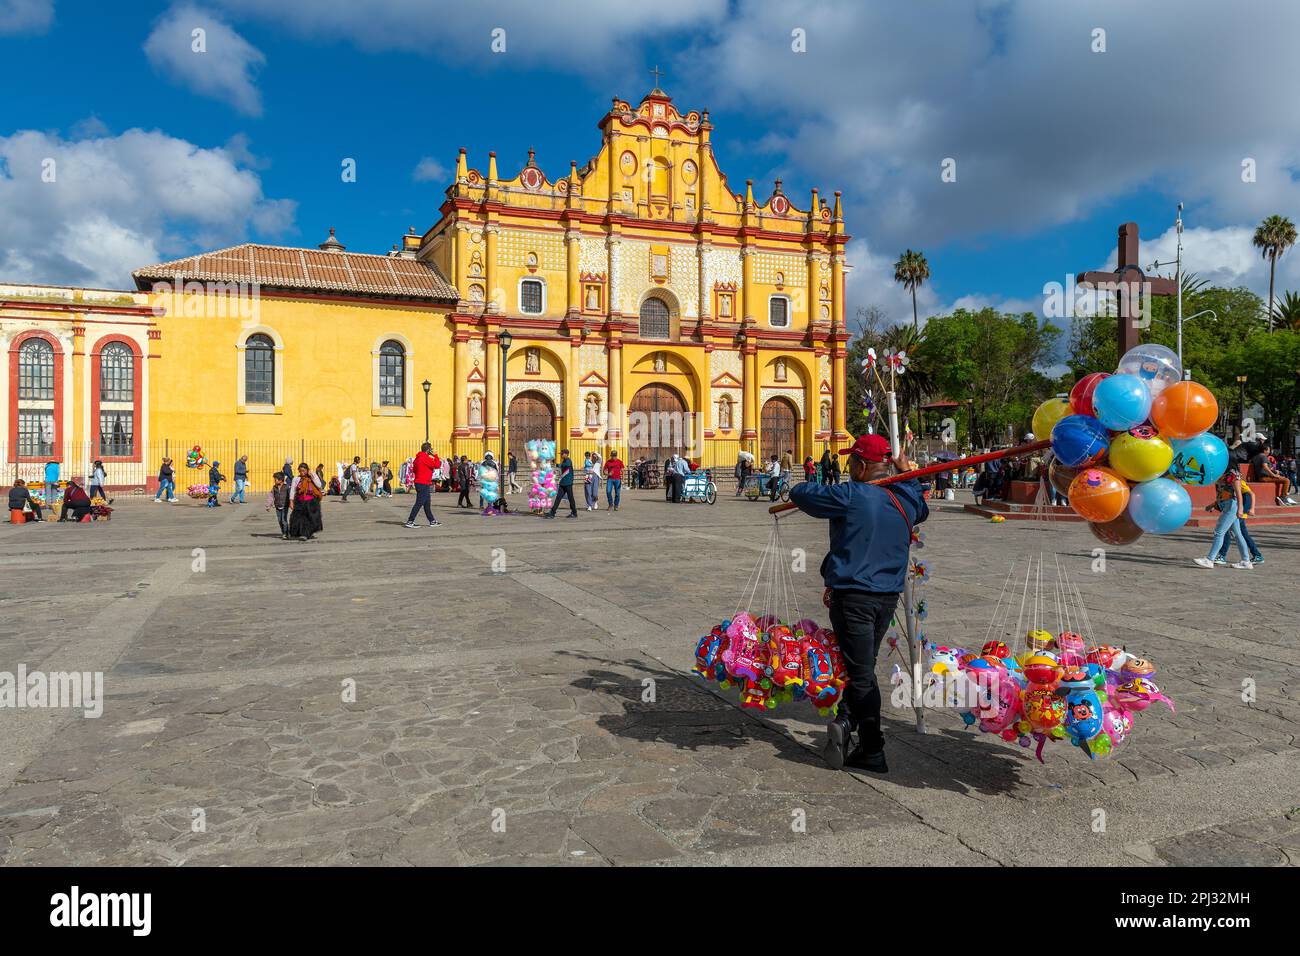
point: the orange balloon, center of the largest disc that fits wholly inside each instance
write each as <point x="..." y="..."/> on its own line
<point x="1098" y="494"/>
<point x="1184" y="410"/>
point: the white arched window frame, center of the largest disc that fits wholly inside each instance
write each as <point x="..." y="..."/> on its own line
<point x="277" y="372"/>
<point x="541" y="283"/>
<point x="784" y="308"/>
<point x="377" y="396"/>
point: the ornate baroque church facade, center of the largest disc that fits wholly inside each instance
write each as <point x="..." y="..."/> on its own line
<point x="650" y="306"/>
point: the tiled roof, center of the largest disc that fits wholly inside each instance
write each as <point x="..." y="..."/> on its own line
<point x="284" y="267"/>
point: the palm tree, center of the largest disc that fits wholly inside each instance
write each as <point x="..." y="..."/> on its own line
<point x="1274" y="236"/>
<point x="911" y="270"/>
<point x="1287" y="311"/>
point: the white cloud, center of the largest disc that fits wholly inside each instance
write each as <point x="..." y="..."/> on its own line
<point x="429" y="170"/>
<point x="118" y="203"/>
<point x="577" y="34"/>
<point x="25" y="16"/>
<point x="219" y="63"/>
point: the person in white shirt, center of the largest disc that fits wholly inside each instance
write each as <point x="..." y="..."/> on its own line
<point x="774" y="477"/>
<point x="596" y="470"/>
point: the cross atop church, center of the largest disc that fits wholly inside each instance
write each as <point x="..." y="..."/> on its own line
<point x="1131" y="283"/>
<point x="657" y="74"/>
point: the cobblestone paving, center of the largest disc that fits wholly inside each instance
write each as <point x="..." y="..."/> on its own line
<point x="502" y="712"/>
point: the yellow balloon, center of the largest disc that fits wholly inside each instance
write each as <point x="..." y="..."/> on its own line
<point x="1140" y="454"/>
<point x="1048" y="414"/>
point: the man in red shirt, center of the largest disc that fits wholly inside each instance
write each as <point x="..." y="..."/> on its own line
<point x="613" y="481"/>
<point x="424" y="466"/>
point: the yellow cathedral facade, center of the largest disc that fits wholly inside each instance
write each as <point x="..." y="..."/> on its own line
<point x="648" y="307"/>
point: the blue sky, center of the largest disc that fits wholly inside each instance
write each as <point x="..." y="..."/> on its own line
<point x="1055" y="141"/>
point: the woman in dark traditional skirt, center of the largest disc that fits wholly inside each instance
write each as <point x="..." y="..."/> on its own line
<point x="305" y="493"/>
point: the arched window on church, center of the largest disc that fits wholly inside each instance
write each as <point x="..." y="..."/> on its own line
<point x="259" y="370"/>
<point x="117" y="401"/>
<point x="37" y="403"/>
<point x="655" y="319"/>
<point x="392" y="374"/>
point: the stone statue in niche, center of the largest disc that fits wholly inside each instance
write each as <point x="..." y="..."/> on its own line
<point x="826" y="418"/>
<point x="532" y="361"/>
<point x="593" y="411"/>
<point x="724" y="413"/>
<point x="475" y="410"/>
<point x="593" y="298"/>
<point x="780" y="370"/>
<point x="660" y="364"/>
<point x="724" y="306"/>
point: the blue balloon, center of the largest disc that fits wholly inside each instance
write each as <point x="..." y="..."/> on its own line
<point x="1200" y="460"/>
<point x="1121" y="402"/>
<point x="1079" y="440"/>
<point x="1159" y="506"/>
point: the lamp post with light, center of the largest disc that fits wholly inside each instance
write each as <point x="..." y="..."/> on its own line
<point x="504" y="341"/>
<point x="426" y="385"/>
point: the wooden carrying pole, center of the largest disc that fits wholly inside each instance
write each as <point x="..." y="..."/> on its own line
<point x="1019" y="451"/>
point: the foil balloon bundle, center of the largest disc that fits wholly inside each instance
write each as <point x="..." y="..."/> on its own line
<point x="771" y="661"/>
<point x="541" y="460"/>
<point x="1057" y="689"/>
<point x="1125" y="445"/>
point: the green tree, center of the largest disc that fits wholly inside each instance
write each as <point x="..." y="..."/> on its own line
<point x="994" y="360"/>
<point x="1286" y="313"/>
<point x="1274" y="236"/>
<point x="1271" y="363"/>
<point x="911" y="272"/>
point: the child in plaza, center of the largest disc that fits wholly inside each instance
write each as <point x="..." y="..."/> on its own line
<point x="1228" y="491"/>
<point x="278" y="498"/>
<point x="215" y="478"/>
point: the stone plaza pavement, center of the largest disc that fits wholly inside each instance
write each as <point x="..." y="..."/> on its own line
<point x="501" y="713"/>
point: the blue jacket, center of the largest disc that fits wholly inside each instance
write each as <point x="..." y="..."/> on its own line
<point x="566" y="472"/>
<point x="869" y="538"/>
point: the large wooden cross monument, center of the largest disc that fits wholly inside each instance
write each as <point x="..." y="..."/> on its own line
<point x="1131" y="283"/>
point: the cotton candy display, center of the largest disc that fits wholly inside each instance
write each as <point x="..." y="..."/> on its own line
<point x="541" y="459"/>
<point x="489" y="483"/>
<point x="771" y="661"/>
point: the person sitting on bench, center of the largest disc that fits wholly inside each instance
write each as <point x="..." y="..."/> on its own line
<point x="20" y="495"/>
<point x="75" y="500"/>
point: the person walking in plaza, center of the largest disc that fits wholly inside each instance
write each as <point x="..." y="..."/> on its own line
<point x="241" y="480"/>
<point x="278" y="498"/>
<point x="423" y="468"/>
<point x="512" y="469"/>
<point x="464" y="475"/>
<point x="305" y="495"/>
<point x="825" y="466"/>
<point x="1228" y="495"/>
<point x="590" y="480"/>
<point x="98" y="479"/>
<point x="20" y="497"/>
<point x="863" y="571"/>
<point x="385" y="480"/>
<point x="809" y="469"/>
<point x="352" y="477"/>
<point x="835" y="471"/>
<point x="1246" y="511"/>
<point x="613" y="481"/>
<point x="166" y="482"/>
<point x="564" y="487"/>
<point x="215" y="478"/>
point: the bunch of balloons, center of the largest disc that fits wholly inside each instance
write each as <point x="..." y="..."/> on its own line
<point x="489" y="484"/>
<point x="1123" y="445"/>
<point x="773" y="662"/>
<point x="541" y="459"/>
<point x="1057" y="689"/>
<point x="194" y="458"/>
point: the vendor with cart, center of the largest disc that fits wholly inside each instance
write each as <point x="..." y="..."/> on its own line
<point x="864" y="571"/>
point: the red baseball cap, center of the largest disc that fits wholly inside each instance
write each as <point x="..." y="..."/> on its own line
<point x="870" y="448"/>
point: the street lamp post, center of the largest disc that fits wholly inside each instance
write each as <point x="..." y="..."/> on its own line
<point x="504" y="340"/>
<point x="426" y="385"/>
<point x="1241" y="406"/>
<point x="1178" y="277"/>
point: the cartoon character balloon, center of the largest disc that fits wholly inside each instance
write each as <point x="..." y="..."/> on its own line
<point x="1156" y="365"/>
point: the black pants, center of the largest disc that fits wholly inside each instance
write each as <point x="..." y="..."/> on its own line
<point x="421" y="501"/>
<point x="564" y="491"/>
<point x="676" y="486"/>
<point x="860" y="620"/>
<point x="464" y="496"/>
<point x="351" y="488"/>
